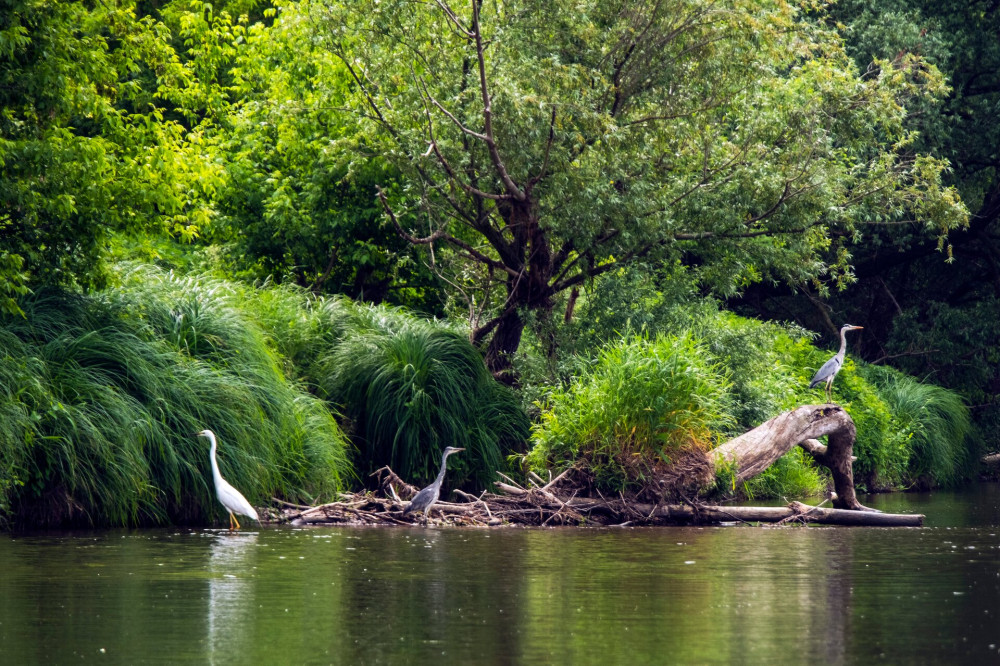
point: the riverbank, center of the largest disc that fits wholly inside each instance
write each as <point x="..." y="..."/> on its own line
<point x="544" y="506"/>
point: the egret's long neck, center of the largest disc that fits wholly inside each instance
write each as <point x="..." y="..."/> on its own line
<point x="215" y="464"/>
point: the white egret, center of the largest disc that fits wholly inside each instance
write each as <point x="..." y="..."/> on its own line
<point x="830" y="369"/>
<point x="231" y="498"/>
<point x="424" y="500"/>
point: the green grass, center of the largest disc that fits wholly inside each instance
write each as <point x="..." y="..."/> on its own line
<point x="909" y="433"/>
<point x="403" y="386"/>
<point x="411" y="387"/>
<point x="643" y="401"/>
<point x="100" y="394"/>
<point x="935" y="423"/>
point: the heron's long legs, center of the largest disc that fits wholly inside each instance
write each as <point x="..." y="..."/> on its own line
<point x="233" y="519"/>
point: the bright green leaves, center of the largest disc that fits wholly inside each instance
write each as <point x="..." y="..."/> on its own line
<point x="85" y="151"/>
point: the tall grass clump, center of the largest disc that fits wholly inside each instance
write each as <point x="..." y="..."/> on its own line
<point x="404" y="387"/>
<point x="643" y="404"/>
<point x="935" y="423"/>
<point x="100" y="394"/>
<point x="410" y="387"/>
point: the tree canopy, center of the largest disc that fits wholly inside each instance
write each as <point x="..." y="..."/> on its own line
<point x="490" y="160"/>
<point x="85" y="150"/>
<point x="928" y="315"/>
<point x="546" y="144"/>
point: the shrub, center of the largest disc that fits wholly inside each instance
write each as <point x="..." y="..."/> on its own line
<point x="644" y="401"/>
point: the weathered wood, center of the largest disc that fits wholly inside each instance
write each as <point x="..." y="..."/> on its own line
<point x="756" y="450"/>
<point x="534" y="507"/>
<point x="816" y="449"/>
<point x="684" y="513"/>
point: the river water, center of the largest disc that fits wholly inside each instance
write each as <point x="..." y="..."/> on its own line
<point x="540" y="596"/>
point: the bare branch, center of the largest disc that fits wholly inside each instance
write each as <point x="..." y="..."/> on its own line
<point x="458" y="123"/>
<point x="454" y="19"/>
<point x="437" y="235"/>
<point x="441" y="234"/>
<point x="491" y="143"/>
<point x="465" y="186"/>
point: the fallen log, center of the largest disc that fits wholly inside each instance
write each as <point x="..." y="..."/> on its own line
<point x="556" y="502"/>
<point x="756" y="450"/>
<point x="795" y="511"/>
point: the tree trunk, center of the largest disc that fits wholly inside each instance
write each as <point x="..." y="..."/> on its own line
<point x="756" y="450"/>
<point x="505" y="341"/>
<point x="530" y="290"/>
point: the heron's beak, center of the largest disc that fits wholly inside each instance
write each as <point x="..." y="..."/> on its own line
<point x="457" y="450"/>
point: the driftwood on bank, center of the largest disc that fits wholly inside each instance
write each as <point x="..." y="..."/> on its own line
<point x="758" y="449"/>
<point x="555" y="502"/>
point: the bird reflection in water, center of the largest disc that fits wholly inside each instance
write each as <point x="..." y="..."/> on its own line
<point x="231" y="593"/>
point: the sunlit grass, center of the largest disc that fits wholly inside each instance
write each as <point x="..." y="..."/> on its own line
<point x="645" y="398"/>
<point x="100" y="394"/>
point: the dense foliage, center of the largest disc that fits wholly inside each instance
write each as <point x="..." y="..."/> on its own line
<point x="569" y="187"/>
<point x="84" y="150"/>
<point x="721" y="375"/>
<point x="736" y="137"/>
<point x="100" y="396"/>
<point x="923" y="312"/>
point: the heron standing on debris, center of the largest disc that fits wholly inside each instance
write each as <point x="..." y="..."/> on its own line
<point x="231" y="498"/>
<point x="424" y="500"/>
<point x="832" y="367"/>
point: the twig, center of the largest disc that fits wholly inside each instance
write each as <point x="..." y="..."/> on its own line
<point x="539" y="481"/>
<point x="511" y="481"/>
<point x="558" y="478"/>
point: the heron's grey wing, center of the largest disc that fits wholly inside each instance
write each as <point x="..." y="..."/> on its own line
<point x="420" y="499"/>
<point x="828" y="369"/>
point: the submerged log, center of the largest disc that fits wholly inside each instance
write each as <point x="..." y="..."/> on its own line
<point x="795" y="511"/>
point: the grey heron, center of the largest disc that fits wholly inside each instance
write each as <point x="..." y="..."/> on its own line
<point x="830" y="369"/>
<point x="231" y="498"/>
<point x="424" y="500"/>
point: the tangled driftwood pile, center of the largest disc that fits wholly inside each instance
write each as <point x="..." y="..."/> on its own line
<point x="541" y="504"/>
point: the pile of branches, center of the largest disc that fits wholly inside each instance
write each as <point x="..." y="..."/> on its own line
<point x="544" y="503"/>
<point x="513" y="505"/>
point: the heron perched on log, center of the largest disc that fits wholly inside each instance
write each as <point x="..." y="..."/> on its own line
<point x="830" y="369"/>
<point x="230" y="498"/>
<point x="424" y="500"/>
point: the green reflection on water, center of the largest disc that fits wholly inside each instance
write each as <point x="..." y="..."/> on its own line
<point x="680" y="595"/>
